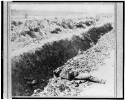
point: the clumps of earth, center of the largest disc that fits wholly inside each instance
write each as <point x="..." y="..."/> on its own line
<point x="75" y="75"/>
<point x="26" y="32"/>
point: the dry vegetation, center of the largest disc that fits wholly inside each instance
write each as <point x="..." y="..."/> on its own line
<point x="86" y="61"/>
<point x="26" y="32"/>
<point x="33" y="70"/>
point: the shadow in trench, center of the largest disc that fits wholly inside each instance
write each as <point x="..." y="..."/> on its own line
<point x="32" y="70"/>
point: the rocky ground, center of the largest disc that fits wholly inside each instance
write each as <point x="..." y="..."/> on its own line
<point x="98" y="61"/>
<point x="25" y="32"/>
<point x="41" y="48"/>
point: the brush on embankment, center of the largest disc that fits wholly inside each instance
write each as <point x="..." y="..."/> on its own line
<point x="31" y="70"/>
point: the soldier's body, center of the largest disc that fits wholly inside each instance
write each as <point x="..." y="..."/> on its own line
<point x="74" y="75"/>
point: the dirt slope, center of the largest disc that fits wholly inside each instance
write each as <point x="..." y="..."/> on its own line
<point x="105" y="72"/>
<point x="40" y="46"/>
<point x="98" y="60"/>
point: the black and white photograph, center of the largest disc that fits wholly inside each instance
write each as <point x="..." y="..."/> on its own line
<point x="63" y="49"/>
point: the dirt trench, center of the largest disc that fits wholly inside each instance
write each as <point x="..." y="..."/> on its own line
<point x="32" y="70"/>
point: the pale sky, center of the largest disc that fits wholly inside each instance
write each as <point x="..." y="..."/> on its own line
<point x="75" y="7"/>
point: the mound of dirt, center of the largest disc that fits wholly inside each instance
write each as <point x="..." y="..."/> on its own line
<point x="97" y="61"/>
<point x="32" y="69"/>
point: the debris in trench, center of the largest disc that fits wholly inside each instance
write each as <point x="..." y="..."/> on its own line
<point x="75" y="75"/>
